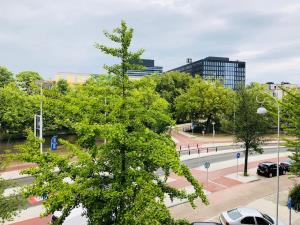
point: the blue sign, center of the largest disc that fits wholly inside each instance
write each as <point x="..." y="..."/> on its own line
<point x="54" y="143"/>
<point x="238" y="155"/>
<point x="290" y="203"/>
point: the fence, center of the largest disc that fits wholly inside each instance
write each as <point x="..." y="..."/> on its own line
<point x="184" y="150"/>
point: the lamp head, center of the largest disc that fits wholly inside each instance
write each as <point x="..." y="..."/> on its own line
<point x="261" y="110"/>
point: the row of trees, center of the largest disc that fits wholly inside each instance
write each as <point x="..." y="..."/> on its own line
<point x="116" y="182"/>
<point x="20" y="99"/>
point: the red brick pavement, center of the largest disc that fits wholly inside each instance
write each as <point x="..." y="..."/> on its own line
<point x="34" y="221"/>
<point x="217" y="179"/>
<point x="185" y="141"/>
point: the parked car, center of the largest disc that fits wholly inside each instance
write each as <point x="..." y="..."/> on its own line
<point x="269" y="169"/>
<point x="286" y="164"/>
<point x="242" y="216"/>
<point x="205" y="223"/>
<point x="76" y="217"/>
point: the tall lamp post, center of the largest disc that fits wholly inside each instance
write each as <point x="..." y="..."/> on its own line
<point x="213" y="123"/>
<point x="263" y="110"/>
<point x="40" y="83"/>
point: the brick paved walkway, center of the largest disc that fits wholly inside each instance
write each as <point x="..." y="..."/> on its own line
<point x="34" y="221"/>
<point x="217" y="179"/>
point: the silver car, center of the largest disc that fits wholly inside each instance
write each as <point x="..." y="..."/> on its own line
<point x="246" y="216"/>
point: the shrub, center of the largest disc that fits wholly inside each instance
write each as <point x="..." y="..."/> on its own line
<point x="295" y="196"/>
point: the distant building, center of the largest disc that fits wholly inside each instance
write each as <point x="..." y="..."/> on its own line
<point x="149" y="69"/>
<point x="278" y="89"/>
<point x="229" y="73"/>
<point x="72" y="78"/>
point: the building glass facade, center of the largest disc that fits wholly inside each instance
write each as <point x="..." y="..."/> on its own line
<point x="149" y="69"/>
<point x="230" y="73"/>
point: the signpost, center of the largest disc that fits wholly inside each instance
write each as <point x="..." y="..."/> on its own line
<point x="54" y="143"/>
<point x="37" y="125"/>
<point x="206" y="165"/>
<point x="238" y="155"/>
<point x="290" y="210"/>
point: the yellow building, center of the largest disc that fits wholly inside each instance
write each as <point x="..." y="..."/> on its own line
<point x="72" y="78"/>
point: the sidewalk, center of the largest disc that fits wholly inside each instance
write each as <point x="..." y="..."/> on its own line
<point x="185" y="141"/>
<point x="210" y="153"/>
<point x="253" y="194"/>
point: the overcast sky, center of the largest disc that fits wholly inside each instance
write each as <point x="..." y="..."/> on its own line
<point x="50" y="36"/>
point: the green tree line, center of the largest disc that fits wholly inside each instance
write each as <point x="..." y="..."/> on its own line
<point x="116" y="181"/>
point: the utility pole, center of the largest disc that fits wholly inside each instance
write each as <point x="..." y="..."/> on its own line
<point x="41" y="119"/>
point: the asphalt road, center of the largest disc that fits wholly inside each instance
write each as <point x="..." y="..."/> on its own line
<point x="191" y="163"/>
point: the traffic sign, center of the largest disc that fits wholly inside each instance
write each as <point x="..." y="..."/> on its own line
<point x="54" y="143"/>
<point x="206" y="165"/>
<point x="238" y="155"/>
<point x="289" y="202"/>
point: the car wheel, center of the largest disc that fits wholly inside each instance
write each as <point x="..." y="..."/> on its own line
<point x="270" y="174"/>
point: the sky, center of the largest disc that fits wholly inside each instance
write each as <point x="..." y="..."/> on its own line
<point x="52" y="36"/>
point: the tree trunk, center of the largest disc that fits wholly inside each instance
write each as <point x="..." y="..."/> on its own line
<point x="207" y="123"/>
<point x="246" y="160"/>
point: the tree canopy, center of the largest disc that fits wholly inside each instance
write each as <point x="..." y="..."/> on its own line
<point x="250" y="127"/>
<point x="203" y="101"/>
<point x="291" y="125"/>
<point x="116" y="182"/>
<point x="5" y="76"/>
<point x="172" y="84"/>
<point x="27" y="81"/>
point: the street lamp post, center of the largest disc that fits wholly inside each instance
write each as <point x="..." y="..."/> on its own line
<point x="41" y="119"/>
<point x="213" y="123"/>
<point x="262" y="110"/>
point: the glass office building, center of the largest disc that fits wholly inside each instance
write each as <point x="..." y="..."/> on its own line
<point x="229" y="73"/>
<point x="149" y="69"/>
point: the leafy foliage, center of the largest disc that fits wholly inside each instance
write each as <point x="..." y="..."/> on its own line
<point x="115" y="182"/>
<point x="9" y="205"/>
<point x="172" y="84"/>
<point x="249" y="126"/>
<point x="291" y="124"/>
<point x="27" y="81"/>
<point x="62" y="86"/>
<point x="16" y="109"/>
<point x="294" y="193"/>
<point x="203" y="101"/>
<point x="5" y="76"/>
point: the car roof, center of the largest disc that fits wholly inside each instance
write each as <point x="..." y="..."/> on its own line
<point x="267" y="163"/>
<point x="205" y="223"/>
<point x="249" y="212"/>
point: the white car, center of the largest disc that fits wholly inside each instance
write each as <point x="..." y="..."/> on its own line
<point x="76" y="217"/>
<point x="246" y="216"/>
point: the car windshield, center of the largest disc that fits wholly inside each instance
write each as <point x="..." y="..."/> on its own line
<point x="234" y="214"/>
<point x="267" y="218"/>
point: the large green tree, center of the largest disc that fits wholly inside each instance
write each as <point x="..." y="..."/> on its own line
<point x="172" y="84"/>
<point x="5" y="76"/>
<point x="250" y="127"/>
<point x="62" y="86"/>
<point x="115" y="182"/>
<point x="27" y="81"/>
<point x="16" y="110"/>
<point x="291" y="124"/>
<point x="204" y="101"/>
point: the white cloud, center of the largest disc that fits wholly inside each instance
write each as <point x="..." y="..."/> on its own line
<point x="58" y="35"/>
